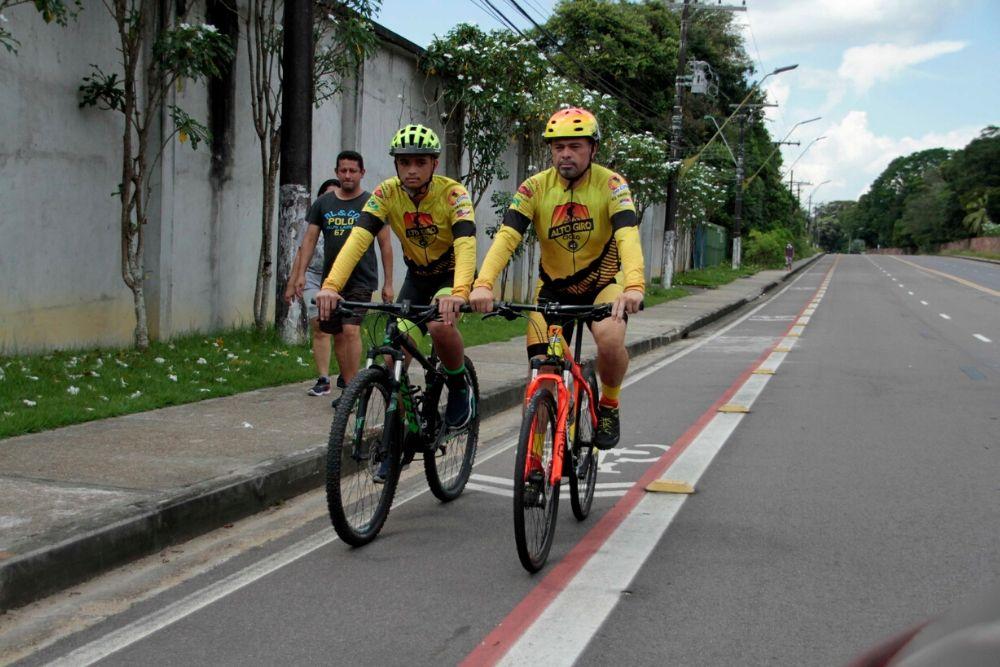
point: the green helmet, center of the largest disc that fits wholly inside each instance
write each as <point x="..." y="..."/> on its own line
<point x="415" y="140"/>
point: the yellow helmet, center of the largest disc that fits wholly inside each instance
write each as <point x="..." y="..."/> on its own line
<point x="572" y="122"/>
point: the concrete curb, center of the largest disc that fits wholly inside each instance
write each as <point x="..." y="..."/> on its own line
<point x="115" y="538"/>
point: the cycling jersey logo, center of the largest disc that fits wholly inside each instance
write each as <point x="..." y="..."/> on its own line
<point x="617" y="185"/>
<point x="571" y="226"/>
<point x="420" y="228"/>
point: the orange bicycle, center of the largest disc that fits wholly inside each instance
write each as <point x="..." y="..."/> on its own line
<point x="557" y="430"/>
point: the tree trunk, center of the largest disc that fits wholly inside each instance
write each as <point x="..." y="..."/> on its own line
<point x="667" y="273"/>
<point x="269" y="175"/>
<point x="294" y="207"/>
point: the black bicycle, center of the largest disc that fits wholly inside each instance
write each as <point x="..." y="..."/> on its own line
<point x="383" y="422"/>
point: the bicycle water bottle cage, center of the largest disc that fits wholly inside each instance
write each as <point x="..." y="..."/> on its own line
<point x="555" y="341"/>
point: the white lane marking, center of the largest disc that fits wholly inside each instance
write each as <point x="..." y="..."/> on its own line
<point x="924" y="303"/>
<point x="945" y="316"/>
<point x="139" y="629"/>
<point x="561" y="633"/>
<point x="982" y="338"/>
<point x="910" y="293"/>
<point x="902" y="285"/>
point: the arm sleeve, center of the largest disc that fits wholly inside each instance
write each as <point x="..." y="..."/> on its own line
<point x="630" y="253"/>
<point x="465" y="266"/>
<point x="348" y="257"/>
<point x="504" y="244"/>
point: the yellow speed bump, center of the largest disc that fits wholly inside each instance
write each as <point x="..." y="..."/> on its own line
<point x="669" y="486"/>
<point x="782" y="349"/>
<point x="763" y="371"/>
<point x="733" y="407"/>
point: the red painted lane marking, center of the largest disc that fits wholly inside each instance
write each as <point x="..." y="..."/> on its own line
<point x="496" y="644"/>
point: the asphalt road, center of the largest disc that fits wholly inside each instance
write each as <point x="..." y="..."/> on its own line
<point x="859" y="495"/>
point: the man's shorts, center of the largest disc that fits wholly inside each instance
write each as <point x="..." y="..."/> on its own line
<point x="335" y="324"/>
<point x="538" y="327"/>
<point x="422" y="291"/>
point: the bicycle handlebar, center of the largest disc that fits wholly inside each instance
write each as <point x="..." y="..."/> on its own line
<point x="595" y="312"/>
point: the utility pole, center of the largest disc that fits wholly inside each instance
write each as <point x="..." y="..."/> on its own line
<point x="738" y="209"/>
<point x="740" y="160"/>
<point x="295" y="156"/>
<point x="676" y="138"/>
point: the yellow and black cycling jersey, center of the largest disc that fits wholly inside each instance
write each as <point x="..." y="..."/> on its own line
<point x="587" y="233"/>
<point x="438" y="234"/>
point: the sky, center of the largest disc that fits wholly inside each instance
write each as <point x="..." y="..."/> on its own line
<point x="887" y="77"/>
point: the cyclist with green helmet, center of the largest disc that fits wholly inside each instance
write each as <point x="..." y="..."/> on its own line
<point x="433" y="217"/>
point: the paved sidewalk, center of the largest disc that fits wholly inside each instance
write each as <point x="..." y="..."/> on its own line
<point x="79" y="500"/>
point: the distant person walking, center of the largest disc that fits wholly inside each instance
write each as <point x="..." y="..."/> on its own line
<point x="789" y="256"/>
<point x="333" y="215"/>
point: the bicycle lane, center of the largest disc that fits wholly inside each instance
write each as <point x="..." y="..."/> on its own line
<point x="557" y="620"/>
<point x="439" y="577"/>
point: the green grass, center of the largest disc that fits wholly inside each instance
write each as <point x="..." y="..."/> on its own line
<point x="971" y="253"/>
<point x="715" y="276"/>
<point x="45" y="391"/>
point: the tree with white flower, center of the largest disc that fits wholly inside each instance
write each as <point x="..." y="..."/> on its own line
<point x="181" y="52"/>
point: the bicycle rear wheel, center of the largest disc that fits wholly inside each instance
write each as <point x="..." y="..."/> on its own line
<point x="449" y="465"/>
<point x="362" y="439"/>
<point x="536" y="499"/>
<point x="584" y="459"/>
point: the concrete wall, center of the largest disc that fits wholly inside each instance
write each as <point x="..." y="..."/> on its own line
<point x="59" y="164"/>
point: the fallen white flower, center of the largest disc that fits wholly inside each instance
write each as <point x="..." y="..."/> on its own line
<point x="247" y="425"/>
<point x="73" y="391"/>
<point x="172" y="378"/>
<point x="29" y="403"/>
<point x="160" y="360"/>
<point x="201" y="361"/>
<point x="135" y="394"/>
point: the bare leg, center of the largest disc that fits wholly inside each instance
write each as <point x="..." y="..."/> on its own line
<point x="347" y="347"/>
<point x="612" y="358"/>
<point x="448" y="344"/>
<point x="321" y="349"/>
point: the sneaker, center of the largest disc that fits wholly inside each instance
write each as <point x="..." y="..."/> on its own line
<point x="321" y="388"/>
<point x="382" y="474"/>
<point x="460" y="407"/>
<point x="608" y="427"/>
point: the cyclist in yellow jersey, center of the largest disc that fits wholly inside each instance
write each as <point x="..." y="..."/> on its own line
<point x="433" y="218"/>
<point x="590" y="250"/>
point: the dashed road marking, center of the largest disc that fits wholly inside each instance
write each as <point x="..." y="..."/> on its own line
<point x="945" y="316"/>
<point x="982" y="338"/>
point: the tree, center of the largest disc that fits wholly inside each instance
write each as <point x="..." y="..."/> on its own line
<point x="486" y="79"/>
<point x="57" y="11"/>
<point x="344" y="37"/>
<point x="178" y="53"/>
<point x="927" y="211"/>
<point x="882" y="206"/>
<point x="974" y="175"/>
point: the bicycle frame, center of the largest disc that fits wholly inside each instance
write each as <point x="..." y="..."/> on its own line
<point x="559" y="356"/>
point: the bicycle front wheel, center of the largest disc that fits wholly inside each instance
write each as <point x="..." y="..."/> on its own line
<point x="536" y="499"/>
<point x="584" y="456"/>
<point x="449" y="465"/>
<point x="362" y="449"/>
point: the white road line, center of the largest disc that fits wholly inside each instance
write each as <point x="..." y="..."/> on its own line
<point x="924" y="303"/>
<point x="945" y="316"/>
<point x="139" y="629"/>
<point x="910" y="293"/>
<point x="982" y="338"/>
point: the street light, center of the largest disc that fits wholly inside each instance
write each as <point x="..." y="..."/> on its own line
<point x="804" y="150"/>
<point x="747" y="183"/>
<point x="738" y="203"/>
<point x="812" y="213"/>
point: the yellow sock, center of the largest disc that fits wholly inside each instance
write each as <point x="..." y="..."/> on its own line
<point x="609" y="394"/>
